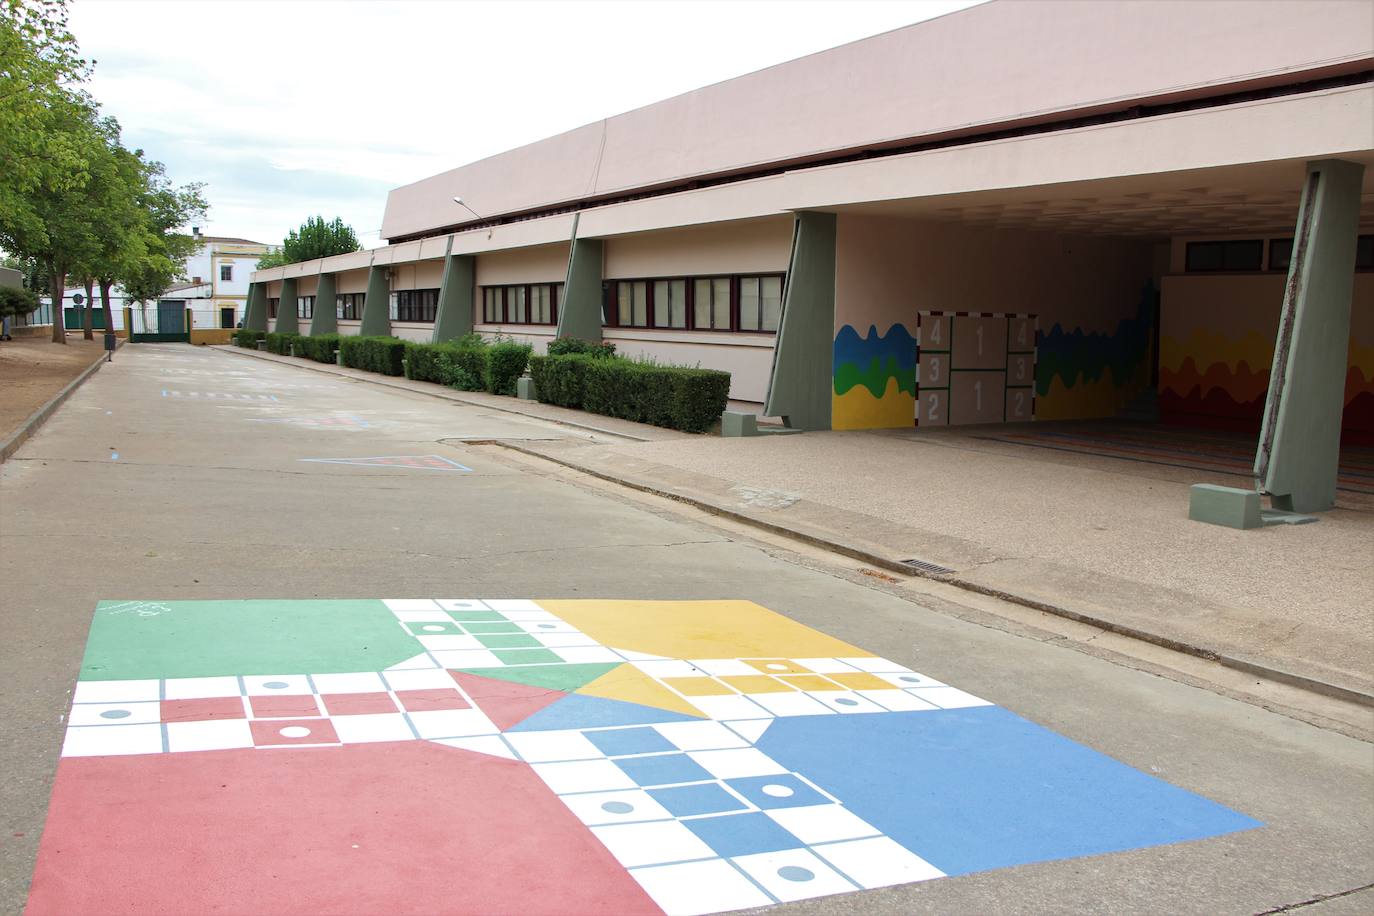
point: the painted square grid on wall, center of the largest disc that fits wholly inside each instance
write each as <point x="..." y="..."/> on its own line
<point x="975" y="367"/>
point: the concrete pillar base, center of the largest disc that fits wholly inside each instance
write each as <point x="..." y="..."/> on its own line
<point x="524" y="388"/>
<point x="1228" y="506"/>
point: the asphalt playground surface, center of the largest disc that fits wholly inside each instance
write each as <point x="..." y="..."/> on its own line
<point x="183" y="474"/>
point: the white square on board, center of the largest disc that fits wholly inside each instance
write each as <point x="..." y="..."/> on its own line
<point x="689" y="888"/>
<point x="420" y="679"/>
<point x="730" y="707"/>
<point x="353" y="682"/>
<point x="595" y="808"/>
<point x="699" y="736"/>
<point x="670" y="667"/>
<point x="652" y="843"/>
<point x="948" y="697"/>
<point x="212" y="735"/>
<point x="579" y="655"/>
<point x="897" y="700"/>
<point x="583" y="776"/>
<point x="557" y="640"/>
<point x="452" y="723"/>
<point x="511" y="604"/>
<point x="116" y="691"/>
<point x="790" y="704"/>
<point x="382" y="726"/>
<point x="905" y="679"/>
<point x="784" y="874"/>
<point x="826" y="665"/>
<point x="275" y="685"/>
<point x="737" y="762"/>
<point x="449" y="641"/>
<point x="112" y="740"/>
<point x="467" y="658"/>
<point x="877" y="862"/>
<point x="845" y="701"/>
<point x="822" y="823"/>
<point x="114" y="713"/>
<point x="196" y="688"/>
<point x="410" y="604"/>
<point x="461" y="604"/>
<point x="545" y="747"/>
<point x="539" y="622"/>
<point x="874" y="664"/>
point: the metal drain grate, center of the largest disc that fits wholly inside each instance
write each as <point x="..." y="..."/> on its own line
<point x="926" y="567"/>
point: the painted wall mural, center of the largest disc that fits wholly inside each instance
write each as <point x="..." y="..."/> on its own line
<point x="425" y="755"/>
<point x="1082" y="374"/>
<point x="1217" y="344"/>
<point x="874" y="378"/>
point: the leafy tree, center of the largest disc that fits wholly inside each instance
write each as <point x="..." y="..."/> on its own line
<point x="15" y="301"/>
<point x="315" y="239"/>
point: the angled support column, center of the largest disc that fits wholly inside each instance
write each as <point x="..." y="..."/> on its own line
<point x="800" y="388"/>
<point x="454" y="317"/>
<point x="255" y="312"/>
<point x="579" y="312"/>
<point x="287" y="320"/>
<point x="377" y="304"/>
<point x="325" y="318"/>
<point x="1299" y="448"/>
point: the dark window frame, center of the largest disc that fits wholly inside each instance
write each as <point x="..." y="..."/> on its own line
<point x="503" y="304"/>
<point x="305" y="306"/>
<point x="1233" y="256"/>
<point x="1364" y="253"/>
<point x="611" y="302"/>
<point x="417" y="306"/>
<point x="273" y="303"/>
<point x="349" y="306"/>
<point x="226" y="273"/>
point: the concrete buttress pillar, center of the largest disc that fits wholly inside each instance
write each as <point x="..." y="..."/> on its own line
<point x="325" y="318"/>
<point x="377" y="304"/>
<point x="800" y="388"/>
<point x="287" y="320"/>
<point x="255" y="311"/>
<point x="579" y="311"/>
<point x="1299" y="447"/>
<point x="454" y="317"/>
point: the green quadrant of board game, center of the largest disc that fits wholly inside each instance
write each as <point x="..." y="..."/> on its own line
<point x="161" y="639"/>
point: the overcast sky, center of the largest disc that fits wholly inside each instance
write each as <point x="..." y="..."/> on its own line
<point x="287" y="109"/>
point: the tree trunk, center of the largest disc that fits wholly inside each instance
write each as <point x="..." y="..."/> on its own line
<point x="105" y="285"/>
<point x="88" y="314"/>
<point x="58" y="279"/>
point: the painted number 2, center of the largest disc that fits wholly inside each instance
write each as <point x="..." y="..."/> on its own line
<point x="1019" y="400"/>
<point x="933" y="411"/>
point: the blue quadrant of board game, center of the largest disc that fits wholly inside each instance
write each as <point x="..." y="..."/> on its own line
<point x="578" y="711"/>
<point x="975" y="789"/>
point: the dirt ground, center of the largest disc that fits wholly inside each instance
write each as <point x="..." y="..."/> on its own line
<point x="33" y="369"/>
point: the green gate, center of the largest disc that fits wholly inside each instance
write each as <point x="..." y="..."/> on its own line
<point x="169" y="324"/>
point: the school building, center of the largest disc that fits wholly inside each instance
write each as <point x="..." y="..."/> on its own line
<point x="1017" y="212"/>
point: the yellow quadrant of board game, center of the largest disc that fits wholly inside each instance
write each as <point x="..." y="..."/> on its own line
<point x="629" y="684"/>
<point x="698" y="629"/>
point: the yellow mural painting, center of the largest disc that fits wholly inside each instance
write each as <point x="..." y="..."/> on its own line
<point x="857" y="408"/>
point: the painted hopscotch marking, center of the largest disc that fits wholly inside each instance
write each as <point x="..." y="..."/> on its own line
<point x="413" y="462"/>
<point x="217" y="395"/>
<point x="650" y="755"/>
<point x="345" y="422"/>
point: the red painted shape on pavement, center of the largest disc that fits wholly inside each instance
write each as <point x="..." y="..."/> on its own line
<point x="405" y="827"/>
<point x="202" y="709"/>
<point x="357" y="704"/>
<point x="286" y="732"/>
<point x="283" y="707"/>
<point x="506" y="703"/>
<point x="434" y="698"/>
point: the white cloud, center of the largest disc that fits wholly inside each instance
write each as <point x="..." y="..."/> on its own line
<point x="288" y="109"/>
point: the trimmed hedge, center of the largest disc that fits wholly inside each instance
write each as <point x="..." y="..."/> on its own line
<point x="248" y="339"/>
<point x="374" y="354"/>
<point x="564" y="346"/>
<point x="677" y="397"/>
<point x="280" y="343"/>
<point x="320" y="349"/>
<point x="506" y="362"/>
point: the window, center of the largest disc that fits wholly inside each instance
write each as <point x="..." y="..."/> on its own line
<point x="272" y="304"/>
<point x="1364" y="253"/>
<point x="760" y="303"/>
<point x="415" y="305"/>
<point x="1280" y="253"/>
<point x="349" y="306"/>
<point x="1224" y="256"/>
<point x="533" y="303"/>
<point x="711" y="308"/>
<point x="226" y="272"/>
<point x="752" y="303"/>
<point x="305" y="306"/>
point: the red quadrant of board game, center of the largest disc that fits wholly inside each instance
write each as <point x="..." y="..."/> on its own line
<point x="506" y="703"/>
<point x="409" y="827"/>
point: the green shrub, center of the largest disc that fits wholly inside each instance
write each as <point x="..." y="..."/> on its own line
<point x="677" y="397"/>
<point x="564" y="346"/>
<point x="320" y="349"/>
<point x="465" y="366"/>
<point x="373" y="354"/>
<point x="280" y="343"/>
<point x="422" y="361"/>
<point x="506" y="361"/>
<point x="248" y="339"/>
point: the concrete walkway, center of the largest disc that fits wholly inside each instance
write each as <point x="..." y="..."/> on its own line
<point x="1093" y="538"/>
